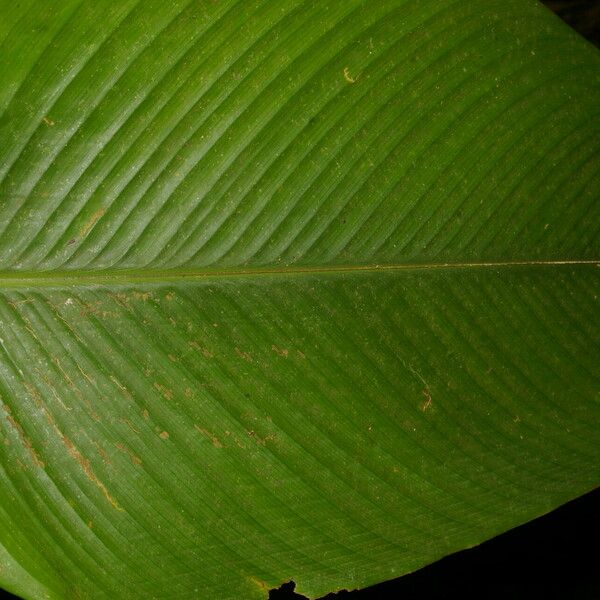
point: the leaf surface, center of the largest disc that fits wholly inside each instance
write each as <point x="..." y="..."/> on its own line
<point x="289" y="289"/>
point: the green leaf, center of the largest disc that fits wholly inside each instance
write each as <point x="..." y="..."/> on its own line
<point x="289" y="289"/>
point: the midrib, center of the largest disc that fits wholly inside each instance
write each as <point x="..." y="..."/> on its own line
<point x="14" y="279"/>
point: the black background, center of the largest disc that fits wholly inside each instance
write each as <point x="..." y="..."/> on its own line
<point x="555" y="557"/>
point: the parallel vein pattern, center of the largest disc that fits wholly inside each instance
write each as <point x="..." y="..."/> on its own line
<point x="272" y="428"/>
<point x="293" y="289"/>
<point x="197" y="135"/>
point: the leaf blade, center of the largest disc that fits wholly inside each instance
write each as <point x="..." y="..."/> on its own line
<point x="291" y="290"/>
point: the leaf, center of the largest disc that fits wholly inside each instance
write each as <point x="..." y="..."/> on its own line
<point x="289" y="289"/>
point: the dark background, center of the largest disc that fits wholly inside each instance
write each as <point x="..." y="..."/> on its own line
<point x="554" y="557"/>
<point x="582" y="15"/>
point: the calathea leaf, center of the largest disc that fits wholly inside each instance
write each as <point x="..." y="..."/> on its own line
<point x="289" y="289"/>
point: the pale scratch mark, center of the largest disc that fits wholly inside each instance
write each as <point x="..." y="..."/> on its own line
<point x="48" y="122"/>
<point x="427" y="404"/>
<point x="348" y="77"/>
<point x="85" y="374"/>
<point x="47" y="381"/>
<point x="428" y="400"/>
<point x="64" y="321"/>
<point x="130" y="425"/>
<point x="125" y="391"/>
<point x="15" y="303"/>
<point x="69" y="381"/>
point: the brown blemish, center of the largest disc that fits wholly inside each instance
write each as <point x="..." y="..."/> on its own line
<point x="33" y="393"/>
<point x="48" y="382"/>
<point x="95" y="309"/>
<point x="205" y="351"/>
<point x="143" y="296"/>
<point x="121" y="299"/>
<point x="135" y="459"/>
<point x="164" y="435"/>
<point x="91" y="222"/>
<point x="165" y="391"/>
<point x="15" y="303"/>
<point x="103" y="454"/>
<point x="260" y="584"/>
<point x="35" y="457"/>
<point x="280" y="351"/>
<point x="263" y="441"/>
<point x="125" y="391"/>
<point x="245" y="355"/>
<point x="48" y="122"/>
<point x="213" y="438"/>
<point x="84" y="463"/>
<point x="65" y="375"/>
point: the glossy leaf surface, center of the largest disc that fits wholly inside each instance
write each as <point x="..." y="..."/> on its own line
<point x="289" y="289"/>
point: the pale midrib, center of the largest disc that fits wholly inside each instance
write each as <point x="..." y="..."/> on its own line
<point x="18" y="279"/>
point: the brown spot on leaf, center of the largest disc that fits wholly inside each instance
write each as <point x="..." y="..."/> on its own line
<point x="165" y="391"/>
<point x="91" y="222"/>
<point x="84" y="463"/>
<point x="135" y="459"/>
<point x="213" y="438"/>
<point x="35" y="457"/>
<point x="245" y="355"/>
